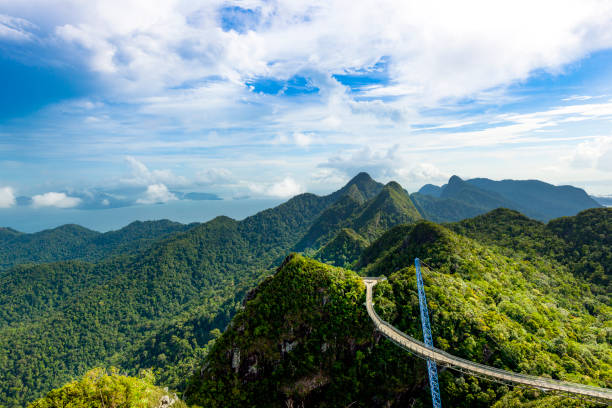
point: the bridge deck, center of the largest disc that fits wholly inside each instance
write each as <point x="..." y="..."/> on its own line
<point x="445" y="359"/>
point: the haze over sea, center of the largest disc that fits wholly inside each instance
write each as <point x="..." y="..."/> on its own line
<point x="28" y="219"/>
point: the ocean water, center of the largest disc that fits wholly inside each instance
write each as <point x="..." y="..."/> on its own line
<point x="28" y="219"/>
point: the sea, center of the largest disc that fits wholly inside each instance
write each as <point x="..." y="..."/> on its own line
<point x="28" y="219"/>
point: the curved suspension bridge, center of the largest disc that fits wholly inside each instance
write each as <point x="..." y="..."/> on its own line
<point x="436" y="356"/>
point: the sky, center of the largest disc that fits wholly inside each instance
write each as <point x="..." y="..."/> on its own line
<point x="112" y="103"/>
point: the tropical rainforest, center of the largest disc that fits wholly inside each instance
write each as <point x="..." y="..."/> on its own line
<point x="206" y="310"/>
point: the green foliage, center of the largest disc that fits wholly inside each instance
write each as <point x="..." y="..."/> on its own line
<point x="519" y="310"/>
<point x="582" y="243"/>
<point x="101" y="389"/>
<point x="70" y="242"/>
<point x="444" y="209"/>
<point x="458" y="200"/>
<point x="343" y="250"/>
<point x="370" y="218"/>
<point x="153" y="308"/>
<point x="507" y="291"/>
<point x="589" y="244"/>
<point x="304" y="338"/>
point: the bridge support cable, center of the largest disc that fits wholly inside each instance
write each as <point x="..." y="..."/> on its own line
<point x="427" y="339"/>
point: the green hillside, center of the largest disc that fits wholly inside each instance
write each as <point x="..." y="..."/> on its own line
<point x="70" y="242"/>
<point x="370" y="218"/>
<point x="588" y="252"/>
<point x="444" y="209"/>
<point x="344" y="249"/>
<point x="161" y="302"/>
<point x="118" y="311"/>
<point x="101" y="389"/>
<point x="582" y="243"/>
<point x="304" y="337"/>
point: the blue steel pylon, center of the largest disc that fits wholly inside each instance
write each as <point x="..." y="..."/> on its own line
<point x="431" y="365"/>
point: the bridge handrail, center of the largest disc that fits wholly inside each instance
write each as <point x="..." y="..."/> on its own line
<point x="489" y="368"/>
<point x="547" y="383"/>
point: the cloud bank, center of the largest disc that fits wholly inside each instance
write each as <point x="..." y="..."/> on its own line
<point x="7" y="197"/>
<point x="205" y="92"/>
<point x="156" y="194"/>
<point x="53" y="199"/>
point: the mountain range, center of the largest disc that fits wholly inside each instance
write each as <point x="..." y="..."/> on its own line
<point x="459" y="199"/>
<point x="159" y="294"/>
<point x="501" y="292"/>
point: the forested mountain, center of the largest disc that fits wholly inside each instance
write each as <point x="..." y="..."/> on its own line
<point x="105" y="312"/>
<point x="537" y="199"/>
<point x="583" y="243"/>
<point x="157" y="295"/>
<point x="304" y="338"/>
<point x="70" y="242"/>
<point x="368" y="217"/>
<point x="459" y="199"/>
<point x="343" y="250"/>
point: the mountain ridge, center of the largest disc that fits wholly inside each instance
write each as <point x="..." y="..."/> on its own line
<point x="303" y="337"/>
<point x="459" y="199"/>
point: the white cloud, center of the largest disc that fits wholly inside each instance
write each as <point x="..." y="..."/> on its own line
<point x="434" y="49"/>
<point x="156" y="193"/>
<point x="214" y="177"/>
<point x="421" y="172"/>
<point x="388" y="164"/>
<point x="596" y="153"/>
<point x="15" y="28"/>
<point x="299" y="139"/>
<point x="7" y="197"/>
<point x="378" y="163"/>
<point x="171" y="75"/>
<point x="142" y="176"/>
<point x="288" y="187"/>
<point x="53" y="199"/>
<point x="302" y="139"/>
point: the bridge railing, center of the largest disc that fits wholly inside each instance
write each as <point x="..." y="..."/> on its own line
<point x="452" y="361"/>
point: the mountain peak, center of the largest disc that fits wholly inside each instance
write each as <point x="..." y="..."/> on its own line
<point x="368" y="187"/>
<point x="455" y="180"/>
<point x="362" y="177"/>
<point x="394" y="185"/>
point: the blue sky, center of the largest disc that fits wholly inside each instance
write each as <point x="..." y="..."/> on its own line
<point x="113" y="102"/>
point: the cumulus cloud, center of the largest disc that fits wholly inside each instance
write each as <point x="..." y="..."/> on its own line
<point x="433" y="49"/>
<point x="299" y="139"/>
<point x="214" y="177"/>
<point x="142" y="176"/>
<point x="596" y="153"/>
<point x="386" y="164"/>
<point x="302" y="139"/>
<point x="422" y="172"/>
<point x="174" y="71"/>
<point x="7" y="197"/>
<point x="378" y="163"/>
<point x="53" y="199"/>
<point x="288" y="187"/>
<point x="156" y="193"/>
